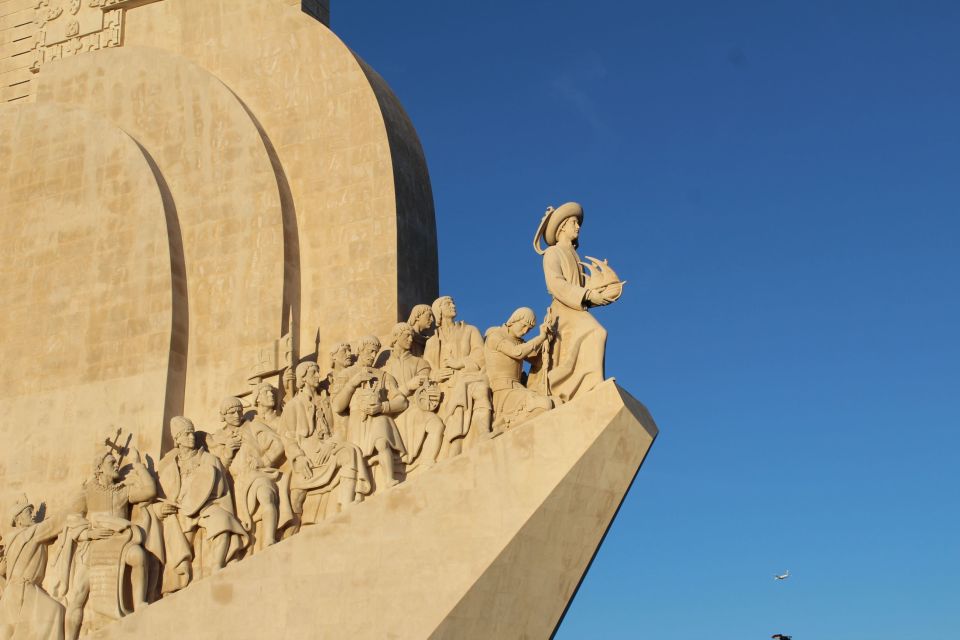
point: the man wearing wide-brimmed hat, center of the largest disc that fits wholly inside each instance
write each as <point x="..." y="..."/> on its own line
<point x="573" y="361"/>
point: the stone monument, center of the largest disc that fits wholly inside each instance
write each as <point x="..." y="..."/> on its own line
<point x="210" y="198"/>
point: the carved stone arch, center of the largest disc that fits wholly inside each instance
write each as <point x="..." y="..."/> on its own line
<point x="88" y="296"/>
<point x="219" y="173"/>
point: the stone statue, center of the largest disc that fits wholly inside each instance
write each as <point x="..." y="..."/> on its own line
<point x="371" y="397"/>
<point x="341" y="359"/>
<point x="421" y="429"/>
<point x="455" y="355"/>
<point x="319" y="461"/>
<point x="573" y="358"/>
<point x="422" y="320"/>
<point x="251" y="452"/>
<point x="26" y="610"/>
<point x="267" y="404"/>
<point x="408" y="370"/>
<point x="195" y="494"/>
<point x="505" y="353"/>
<point x="101" y="542"/>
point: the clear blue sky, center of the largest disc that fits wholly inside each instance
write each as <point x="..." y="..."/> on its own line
<point x="779" y="183"/>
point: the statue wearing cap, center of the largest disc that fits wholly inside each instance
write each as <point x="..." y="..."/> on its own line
<point x="573" y="359"/>
<point x="26" y="610"/>
<point x="195" y="494"/>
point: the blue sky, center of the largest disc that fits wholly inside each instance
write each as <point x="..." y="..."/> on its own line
<point x="778" y="182"/>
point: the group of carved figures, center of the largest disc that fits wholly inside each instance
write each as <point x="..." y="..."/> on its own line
<point x="136" y="534"/>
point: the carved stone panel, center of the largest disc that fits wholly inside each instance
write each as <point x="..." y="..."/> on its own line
<point x="68" y="27"/>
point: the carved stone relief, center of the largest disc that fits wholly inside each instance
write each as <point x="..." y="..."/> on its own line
<point x="68" y="27"/>
<point x="277" y="463"/>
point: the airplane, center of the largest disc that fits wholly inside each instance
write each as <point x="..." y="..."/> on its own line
<point x="782" y="576"/>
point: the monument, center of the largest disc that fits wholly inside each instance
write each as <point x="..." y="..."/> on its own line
<point x="221" y="289"/>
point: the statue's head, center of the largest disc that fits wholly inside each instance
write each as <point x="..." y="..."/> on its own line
<point x="308" y="375"/>
<point x="231" y="411"/>
<point x="21" y="514"/>
<point x="569" y="230"/>
<point x="560" y="224"/>
<point x="266" y="396"/>
<point x="183" y="432"/>
<point x="443" y="309"/>
<point x="341" y="356"/>
<point x="428" y="396"/>
<point x="367" y="349"/>
<point x="421" y="318"/>
<point x="106" y="466"/>
<point x="401" y="336"/>
<point x="521" y="321"/>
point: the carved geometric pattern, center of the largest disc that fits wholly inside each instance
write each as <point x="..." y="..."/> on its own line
<point x="68" y="27"/>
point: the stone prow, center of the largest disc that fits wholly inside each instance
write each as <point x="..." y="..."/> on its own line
<point x="491" y="543"/>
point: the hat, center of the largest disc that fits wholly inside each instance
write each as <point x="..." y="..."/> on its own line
<point x="21" y="505"/>
<point x="228" y="403"/>
<point x="551" y="221"/>
<point x="178" y="425"/>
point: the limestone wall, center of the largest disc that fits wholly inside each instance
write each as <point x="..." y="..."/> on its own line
<point x="278" y="175"/>
<point x="17" y="39"/>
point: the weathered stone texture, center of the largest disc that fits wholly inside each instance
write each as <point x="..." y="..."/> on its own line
<point x="498" y="539"/>
<point x="86" y="292"/>
<point x="282" y="182"/>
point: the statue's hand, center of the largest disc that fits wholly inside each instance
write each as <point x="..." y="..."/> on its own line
<point x="596" y="299"/>
<point x="98" y="533"/>
<point x="415" y="383"/>
<point x="302" y="467"/>
<point x="167" y="509"/>
<point x="547" y="328"/>
<point x="444" y="374"/>
<point x="362" y="376"/>
<point x="373" y="408"/>
<point x="454" y="363"/>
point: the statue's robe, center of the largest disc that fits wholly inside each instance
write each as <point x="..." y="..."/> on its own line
<point x="573" y="359"/>
<point x="200" y="488"/>
<point x="307" y="432"/>
<point x="414" y="422"/>
<point x="364" y="430"/>
<point x="27" y="612"/>
<point x="467" y="388"/>
<point x="255" y="466"/>
<point x="338" y="422"/>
